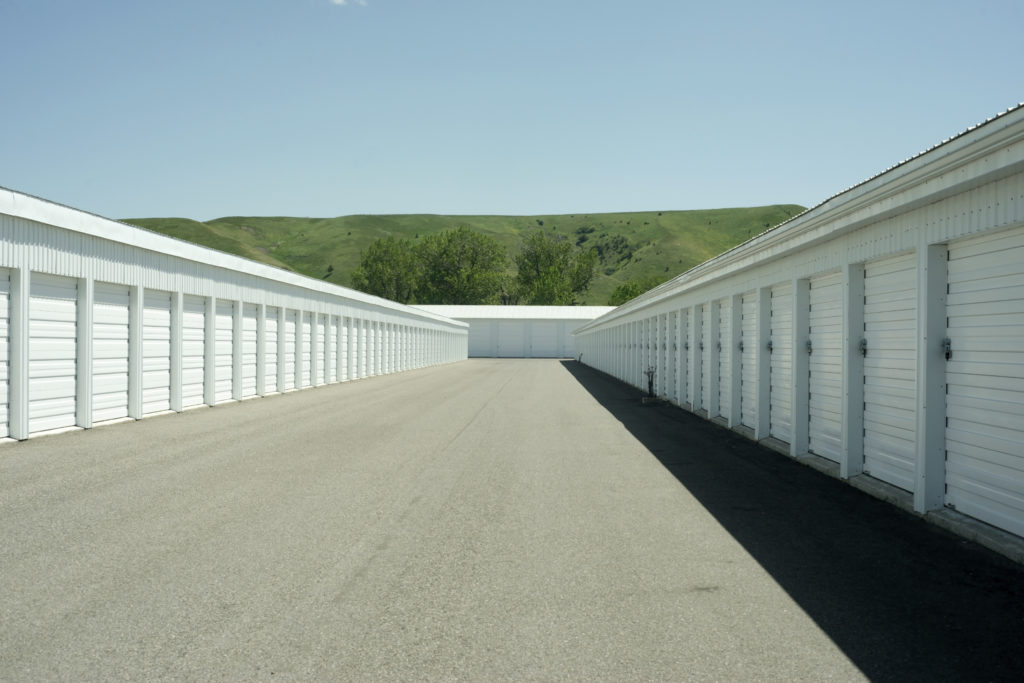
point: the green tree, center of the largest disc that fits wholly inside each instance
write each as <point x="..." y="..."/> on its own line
<point x="550" y="271"/>
<point x="630" y="289"/>
<point x="460" y="267"/>
<point x="388" y="268"/>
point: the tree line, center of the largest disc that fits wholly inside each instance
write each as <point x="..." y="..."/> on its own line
<point x="464" y="267"/>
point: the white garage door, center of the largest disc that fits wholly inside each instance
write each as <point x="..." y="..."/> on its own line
<point x="224" y="350"/>
<point x="684" y="356"/>
<point x="825" y="384"/>
<point x="346" y="349"/>
<point x="985" y="379"/>
<point x="371" y="348"/>
<point x="672" y="351"/>
<point x="5" y="336"/>
<point x="480" y="339"/>
<point x="110" y="352"/>
<point x="780" y="415"/>
<point x="725" y="351"/>
<point x="320" y="344"/>
<point x="270" y="327"/>
<point x="890" y="369"/>
<point x="156" y="352"/>
<point x="544" y="339"/>
<point x="362" y="352"/>
<point x="704" y="345"/>
<point x="333" y="332"/>
<point x="663" y="355"/>
<point x="291" y="330"/>
<point x="748" y="360"/>
<point x="193" y="350"/>
<point x="53" y="319"/>
<point x="250" y="348"/>
<point x="306" y="349"/>
<point x="511" y="339"/>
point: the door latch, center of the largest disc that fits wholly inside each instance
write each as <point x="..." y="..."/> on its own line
<point x="947" y="348"/>
<point x="864" y="347"/>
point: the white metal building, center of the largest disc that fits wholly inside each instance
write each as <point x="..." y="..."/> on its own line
<point x="101" y="321"/>
<point x="521" y="331"/>
<point x="882" y="330"/>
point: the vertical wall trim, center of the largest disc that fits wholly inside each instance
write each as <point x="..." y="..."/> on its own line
<point x="177" y="348"/>
<point x="851" y="453"/>
<point x="929" y="492"/>
<point x="84" y="353"/>
<point x="800" y="396"/>
<point x="762" y="360"/>
<point x="136" y="304"/>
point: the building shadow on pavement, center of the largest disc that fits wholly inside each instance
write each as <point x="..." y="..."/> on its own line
<point x="902" y="598"/>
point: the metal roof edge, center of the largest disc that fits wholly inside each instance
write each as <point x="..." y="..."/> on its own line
<point x="819" y="213"/>
<point x="30" y="207"/>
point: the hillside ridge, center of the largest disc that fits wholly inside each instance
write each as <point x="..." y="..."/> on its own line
<point x="637" y="245"/>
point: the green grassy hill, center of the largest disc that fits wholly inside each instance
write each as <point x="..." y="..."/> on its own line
<point x="631" y="245"/>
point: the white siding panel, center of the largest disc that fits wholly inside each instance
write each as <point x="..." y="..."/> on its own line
<point x="511" y="338"/>
<point x="224" y="351"/>
<point x="781" y="363"/>
<point x="156" y="352"/>
<point x="270" y="350"/>
<point x="985" y="379"/>
<point x="748" y="360"/>
<point x="890" y="369"/>
<point x="110" y="320"/>
<point x="5" y="351"/>
<point x="193" y="346"/>
<point x="250" y="348"/>
<point x="52" y="357"/>
<point x="825" y="383"/>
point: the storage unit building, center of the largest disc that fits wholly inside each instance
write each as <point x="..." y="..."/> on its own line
<point x="521" y="331"/>
<point x="101" y="321"/>
<point x="879" y="332"/>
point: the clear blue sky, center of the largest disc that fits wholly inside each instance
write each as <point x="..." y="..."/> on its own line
<point x="207" y="108"/>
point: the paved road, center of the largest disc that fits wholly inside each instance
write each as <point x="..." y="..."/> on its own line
<point x="486" y="520"/>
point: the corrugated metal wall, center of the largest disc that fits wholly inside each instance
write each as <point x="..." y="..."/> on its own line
<point x="891" y="338"/>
